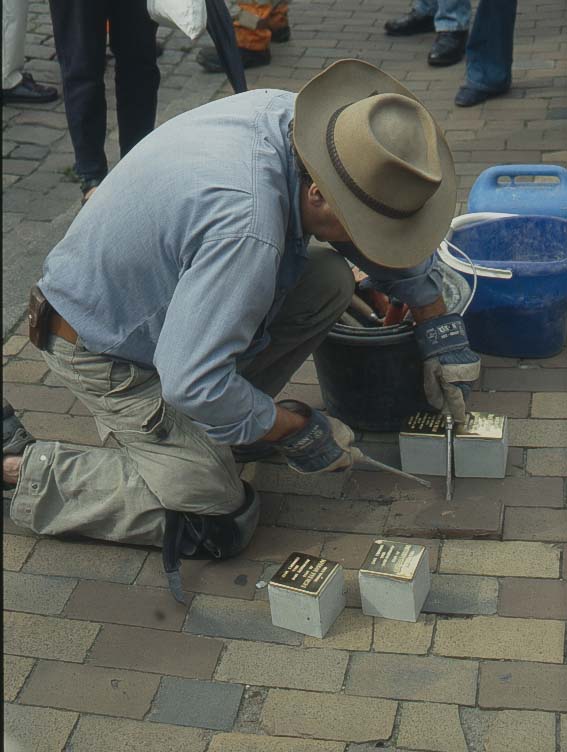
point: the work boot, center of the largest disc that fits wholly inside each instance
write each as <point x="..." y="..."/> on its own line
<point x="448" y="48"/>
<point x="208" y="58"/>
<point x="30" y="92"/>
<point x="411" y="23"/>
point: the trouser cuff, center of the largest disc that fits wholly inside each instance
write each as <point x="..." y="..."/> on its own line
<point x="36" y="463"/>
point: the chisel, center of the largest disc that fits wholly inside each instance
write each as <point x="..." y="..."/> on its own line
<point x="359" y="458"/>
<point x="449" y="440"/>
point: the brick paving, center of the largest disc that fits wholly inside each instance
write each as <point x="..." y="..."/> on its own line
<point x="99" y="657"/>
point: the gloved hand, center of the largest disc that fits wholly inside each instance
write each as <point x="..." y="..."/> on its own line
<point x="321" y="446"/>
<point x="450" y="366"/>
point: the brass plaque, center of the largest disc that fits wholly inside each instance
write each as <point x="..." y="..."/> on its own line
<point x="481" y="426"/>
<point x="391" y="559"/>
<point x="304" y="573"/>
<point x="424" y="424"/>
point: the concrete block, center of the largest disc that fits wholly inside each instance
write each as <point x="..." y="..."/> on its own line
<point x="47" y="636"/>
<point x="430" y="726"/>
<point x="533" y="599"/>
<point x="394" y="580"/>
<point x="547" y="462"/>
<point x="351" y="631"/>
<point x="500" y="559"/>
<point x="16" y="671"/>
<point x="509" y="729"/>
<point x="403" y="636"/>
<point x="307" y="594"/>
<point x="15" y="551"/>
<point x="35" y="593"/>
<point x="536" y="524"/>
<point x="262" y="743"/>
<point x="462" y="594"/>
<point x="549" y="405"/>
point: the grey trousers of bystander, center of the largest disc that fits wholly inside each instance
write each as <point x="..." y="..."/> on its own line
<point x="163" y="459"/>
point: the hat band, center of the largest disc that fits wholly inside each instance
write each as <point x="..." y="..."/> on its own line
<point x="344" y="175"/>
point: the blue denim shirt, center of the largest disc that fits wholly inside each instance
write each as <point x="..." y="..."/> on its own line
<point x="185" y="253"/>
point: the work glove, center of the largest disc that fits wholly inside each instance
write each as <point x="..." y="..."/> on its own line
<point x="450" y="366"/>
<point x="321" y="446"/>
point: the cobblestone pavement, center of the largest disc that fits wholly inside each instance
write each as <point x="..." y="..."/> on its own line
<point x="99" y="657"/>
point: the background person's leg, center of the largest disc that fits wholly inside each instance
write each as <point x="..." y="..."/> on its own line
<point x="323" y="293"/>
<point x="133" y="42"/>
<point x="491" y="46"/>
<point x="14" y="16"/>
<point x="79" y="28"/>
<point x="453" y="15"/>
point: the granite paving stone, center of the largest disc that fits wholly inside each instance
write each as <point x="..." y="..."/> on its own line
<point x="14" y="345"/>
<point x="15" y="551"/>
<point x="261" y="743"/>
<point x="48" y="426"/>
<point x="37" y="397"/>
<point x="276" y="544"/>
<point x="413" y="677"/>
<point x="47" y="636"/>
<point x="533" y="686"/>
<point x="265" y="476"/>
<point x="501" y="638"/>
<point x="99" y="734"/>
<point x="16" y="671"/>
<point x="512" y="404"/>
<point x="430" y="726"/>
<point x="536" y="524"/>
<point x="392" y="636"/>
<point x="234" y="578"/>
<point x="457" y="519"/>
<point x="348" y="549"/>
<point x="513" y="492"/>
<point x="86" y="560"/>
<point x="339" y="516"/>
<point x="126" y="604"/>
<point x="528" y="380"/>
<point x="509" y="730"/>
<point x="24" y="372"/>
<point x="534" y="599"/>
<point x="90" y="689"/>
<point x="500" y="559"/>
<point x="549" y="405"/>
<point x="549" y="462"/>
<point x="36" y="593"/>
<point x="281" y="666"/>
<point x="351" y="631"/>
<point x="37" y="729"/>
<point x="538" y="433"/>
<point x="236" y="619"/>
<point x="327" y="716"/>
<point x="155" y="651"/>
<point x="462" y="594"/>
<point x="186" y="702"/>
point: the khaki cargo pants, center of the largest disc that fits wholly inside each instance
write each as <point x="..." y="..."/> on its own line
<point x="163" y="460"/>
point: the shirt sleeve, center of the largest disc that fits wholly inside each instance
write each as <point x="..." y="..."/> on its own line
<point x="417" y="285"/>
<point x="218" y="306"/>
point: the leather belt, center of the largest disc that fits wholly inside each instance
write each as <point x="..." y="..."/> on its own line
<point x="61" y="328"/>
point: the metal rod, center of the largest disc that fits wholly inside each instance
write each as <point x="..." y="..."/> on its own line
<point x="362" y="459"/>
<point x="449" y="439"/>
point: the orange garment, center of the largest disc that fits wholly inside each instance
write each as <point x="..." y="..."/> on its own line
<point x="271" y="18"/>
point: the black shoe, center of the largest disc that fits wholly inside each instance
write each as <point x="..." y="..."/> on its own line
<point x="412" y="23"/>
<point x="281" y="35"/>
<point x="27" y="91"/>
<point x="467" y="96"/>
<point x="448" y="48"/>
<point x="15" y="438"/>
<point x="208" y="58"/>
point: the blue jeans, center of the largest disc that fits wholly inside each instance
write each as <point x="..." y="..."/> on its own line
<point x="449" y="15"/>
<point x="490" y="46"/>
<point x="79" y="28"/>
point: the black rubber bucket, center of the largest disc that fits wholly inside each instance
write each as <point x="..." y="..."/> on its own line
<point x="372" y="378"/>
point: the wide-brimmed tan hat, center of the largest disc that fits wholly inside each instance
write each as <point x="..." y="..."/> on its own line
<point x="379" y="160"/>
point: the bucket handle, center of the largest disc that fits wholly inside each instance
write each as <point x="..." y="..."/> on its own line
<point x="466" y="220"/>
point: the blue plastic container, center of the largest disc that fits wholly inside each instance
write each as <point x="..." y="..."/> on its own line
<point x="505" y="189"/>
<point x="525" y="316"/>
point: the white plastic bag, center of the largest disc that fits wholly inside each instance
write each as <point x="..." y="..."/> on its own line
<point x="188" y="15"/>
